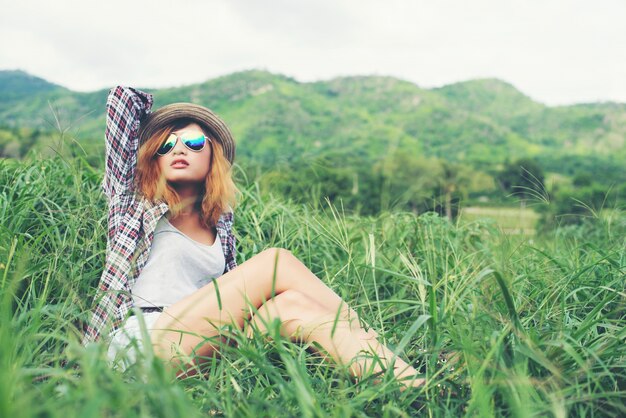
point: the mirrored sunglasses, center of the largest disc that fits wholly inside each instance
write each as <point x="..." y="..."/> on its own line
<point x="195" y="141"/>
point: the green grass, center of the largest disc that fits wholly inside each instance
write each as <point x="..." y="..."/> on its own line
<point x="536" y="327"/>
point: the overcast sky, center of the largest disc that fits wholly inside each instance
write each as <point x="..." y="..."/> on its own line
<point x="555" y="51"/>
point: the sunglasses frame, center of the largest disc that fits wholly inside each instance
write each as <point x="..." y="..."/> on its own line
<point x="178" y="137"/>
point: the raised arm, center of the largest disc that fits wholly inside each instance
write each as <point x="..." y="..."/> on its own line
<point x="125" y="108"/>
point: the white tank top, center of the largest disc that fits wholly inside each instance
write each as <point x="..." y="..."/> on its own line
<point x="177" y="266"/>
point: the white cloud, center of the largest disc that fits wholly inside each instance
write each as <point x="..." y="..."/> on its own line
<point x="556" y="51"/>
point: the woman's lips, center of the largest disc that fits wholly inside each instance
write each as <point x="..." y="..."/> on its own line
<point x="180" y="164"/>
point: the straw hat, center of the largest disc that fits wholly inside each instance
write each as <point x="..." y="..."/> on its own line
<point x="168" y="114"/>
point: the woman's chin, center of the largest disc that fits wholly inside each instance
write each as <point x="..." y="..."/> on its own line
<point x="183" y="181"/>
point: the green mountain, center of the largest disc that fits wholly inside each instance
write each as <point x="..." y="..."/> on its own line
<point x="493" y="98"/>
<point x="278" y="119"/>
<point x="17" y="84"/>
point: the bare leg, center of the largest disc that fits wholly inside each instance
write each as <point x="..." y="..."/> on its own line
<point x="305" y="320"/>
<point x="232" y="298"/>
<point x="228" y="299"/>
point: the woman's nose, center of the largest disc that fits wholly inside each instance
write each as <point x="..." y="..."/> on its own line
<point x="179" y="147"/>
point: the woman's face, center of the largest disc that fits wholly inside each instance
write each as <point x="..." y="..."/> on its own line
<point x="182" y="165"/>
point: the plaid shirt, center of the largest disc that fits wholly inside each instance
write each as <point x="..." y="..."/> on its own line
<point x="132" y="218"/>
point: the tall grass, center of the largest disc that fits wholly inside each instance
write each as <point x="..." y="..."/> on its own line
<point x="499" y="325"/>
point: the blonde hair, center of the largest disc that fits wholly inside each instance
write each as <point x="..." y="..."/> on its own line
<point x="153" y="185"/>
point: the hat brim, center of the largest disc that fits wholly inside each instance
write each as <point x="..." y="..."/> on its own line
<point x="153" y="122"/>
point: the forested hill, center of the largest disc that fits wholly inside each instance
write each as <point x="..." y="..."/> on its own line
<point x="18" y="85"/>
<point x="275" y="118"/>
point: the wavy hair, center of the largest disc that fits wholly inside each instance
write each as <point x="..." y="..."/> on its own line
<point x="153" y="185"/>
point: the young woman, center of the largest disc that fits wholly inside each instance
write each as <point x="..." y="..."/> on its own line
<point x="171" y="250"/>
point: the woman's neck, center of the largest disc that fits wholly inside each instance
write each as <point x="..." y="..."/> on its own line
<point x="188" y="198"/>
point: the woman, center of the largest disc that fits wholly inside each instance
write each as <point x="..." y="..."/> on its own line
<point x="171" y="250"/>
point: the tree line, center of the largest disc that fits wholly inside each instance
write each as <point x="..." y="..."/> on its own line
<point x="401" y="180"/>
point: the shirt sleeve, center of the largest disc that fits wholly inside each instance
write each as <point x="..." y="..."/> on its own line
<point x="125" y="107"/>
<point x="233" y="251"/>
<point x="231" y="259"/>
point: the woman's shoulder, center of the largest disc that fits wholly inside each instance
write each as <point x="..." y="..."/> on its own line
<point x="226" y="219"/>
<point x="227" y="216"/>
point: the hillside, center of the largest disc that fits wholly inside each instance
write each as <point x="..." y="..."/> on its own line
<point x="17" y="84"/>
<point x="277" y="118"/>
<point x="274" y="116"/>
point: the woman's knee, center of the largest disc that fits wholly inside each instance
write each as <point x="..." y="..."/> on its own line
<point x="277" y="255"/>
<point x="296" y="310"/>
<point x="290" y="307"/>
<point x="275" y="260"/>
<point x="293" y="303"/>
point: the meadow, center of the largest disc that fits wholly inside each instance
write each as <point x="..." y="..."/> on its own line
<point x="510" y="220"/>
<point x="499" y="324"/>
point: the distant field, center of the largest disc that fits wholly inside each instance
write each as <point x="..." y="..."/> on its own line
<point x="510" y="220"/>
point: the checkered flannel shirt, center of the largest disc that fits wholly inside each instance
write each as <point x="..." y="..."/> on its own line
<point x="132" y="218"/>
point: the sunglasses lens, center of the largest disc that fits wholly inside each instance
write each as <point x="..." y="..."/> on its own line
<point x="167" y="145"/>
<point x="194" y="142"/>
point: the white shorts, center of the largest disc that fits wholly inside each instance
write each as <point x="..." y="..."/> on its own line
<point x="129" y="338"/>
